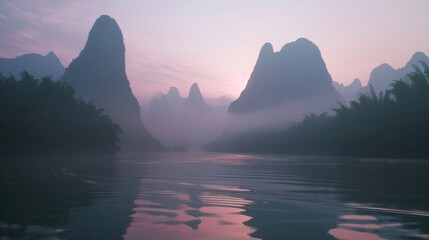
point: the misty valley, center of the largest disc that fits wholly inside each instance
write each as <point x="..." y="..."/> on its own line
<point x="295" y="156"/>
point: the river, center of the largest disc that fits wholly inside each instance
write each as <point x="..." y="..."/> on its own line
<point x="213" y="196"/>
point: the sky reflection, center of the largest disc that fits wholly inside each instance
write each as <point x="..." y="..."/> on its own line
<point x="195" y="196"/>
<point x="356" y="227"/>
<point x="189" y="216"/>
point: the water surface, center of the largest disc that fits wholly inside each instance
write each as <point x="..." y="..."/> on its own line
<point x="214" y="196"/>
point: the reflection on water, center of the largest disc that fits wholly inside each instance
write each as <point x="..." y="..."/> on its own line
<point x="368" y="227"/>
<point x="363" y="227"/>
<point x="347" y="234"/>
<point x="37" y="195"/>
<point x="214" y="196"/>
<point x="188" y="201"/>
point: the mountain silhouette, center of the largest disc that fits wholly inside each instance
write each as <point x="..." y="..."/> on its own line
<point x="182" y="123"/>
<point x="351" y="91"/>
<point x="195" y="101"/>
<point x="295" y="73"/>
<point x="35" y="64"/>
<point x="159" y="110"/>
<point x="176" y="103"/>
<point x="164" y="118"/>
<point x="384" y="75"/>
<point x="173" y="93"/>
<point x="380" y="78"/>
<point x="98" y="75"/>
<point x="199" y="121"/>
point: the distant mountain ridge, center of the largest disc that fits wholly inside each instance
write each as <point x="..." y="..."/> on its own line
<point x="182" y="123"/>
<point x="98" y="75"/>
<point x="33" y="63"/>
<point x="163" y="117"/>
<point x="382" y="76"/>
<point x="351" y="91"/>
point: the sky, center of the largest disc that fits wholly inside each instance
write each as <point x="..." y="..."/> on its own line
<point x="216" y="42"/>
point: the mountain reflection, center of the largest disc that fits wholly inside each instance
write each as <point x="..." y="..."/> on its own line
<point x="186" y="206"/>
<point x="198" y="196"/>
<point x="38" y="194"/>
<point x="215" y="196"/>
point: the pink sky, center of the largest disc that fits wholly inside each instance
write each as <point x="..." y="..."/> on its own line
<point x="216" y="42"/>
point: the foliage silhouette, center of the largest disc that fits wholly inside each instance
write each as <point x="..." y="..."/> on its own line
<point x="42" y="117"/>
<point x="393" y="123"/>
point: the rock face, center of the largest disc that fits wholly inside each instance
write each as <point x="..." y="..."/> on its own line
<point x="294" y="73"/>
<point x="384" y="75"/>
<point x="98" y="75"/>
<point x="35" y="64"/>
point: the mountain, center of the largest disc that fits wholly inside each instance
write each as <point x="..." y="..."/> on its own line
<point x="283" y="87"/>
<point x="296" y="73"/>
<point x="199" y="121"/>
<point x="182" y="123"/>
<point x="195" y="101"/>
<point x="35" y="64"/>
<point x="384" y="75"/>
<point x="164" y="118"/>
<point x="159" y="111"/>
<point x="98" y="75"/>
<point x="175" y="102"/>
<point x="349" y="92"/>
<point x="380" y="78"/>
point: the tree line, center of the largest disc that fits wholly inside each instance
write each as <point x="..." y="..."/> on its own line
<point x="43" y="117"/>
<point x="393" y="123"/>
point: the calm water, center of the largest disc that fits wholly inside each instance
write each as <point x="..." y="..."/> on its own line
<point x="214" y="196"/>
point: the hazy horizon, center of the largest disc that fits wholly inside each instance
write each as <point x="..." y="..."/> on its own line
<point x="171" y="43"/>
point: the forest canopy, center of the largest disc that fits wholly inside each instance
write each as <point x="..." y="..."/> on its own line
<point x="43" y="117"/>
<point x="393" y="123"/>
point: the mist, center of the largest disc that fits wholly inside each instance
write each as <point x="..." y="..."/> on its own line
<point x="278" y="117"/>
<point x="185" y="124"/>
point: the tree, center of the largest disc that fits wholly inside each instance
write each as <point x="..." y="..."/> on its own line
<point x="393" y="123"/>
<point x="40" y="116"/>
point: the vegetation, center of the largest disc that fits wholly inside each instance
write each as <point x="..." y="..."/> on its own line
<point x="42" y="117"/>
<point x="391" y="124"/>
